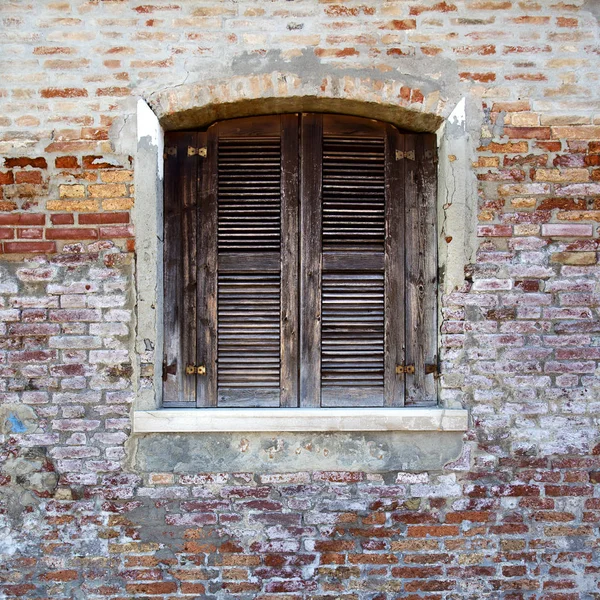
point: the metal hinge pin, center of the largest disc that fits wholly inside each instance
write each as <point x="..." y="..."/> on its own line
<point x="195" y="370"/>
<point x="409" y="155"/>
<point x="196" y="151"/>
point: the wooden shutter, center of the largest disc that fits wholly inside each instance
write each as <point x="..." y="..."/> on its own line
<point x="247" y="339"/>
<point x="179" y="266"/>
<point x="347" y="197"/>
<point x="311" y="302"/>
<point x="421" y="268"/>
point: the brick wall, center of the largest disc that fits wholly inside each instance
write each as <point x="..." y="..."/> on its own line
<point x="516" y="517"/>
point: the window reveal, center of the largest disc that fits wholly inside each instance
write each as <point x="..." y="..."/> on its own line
<point x="300" y="264"/>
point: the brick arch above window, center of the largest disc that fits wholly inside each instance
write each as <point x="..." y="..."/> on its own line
<point x="393" y="100"/>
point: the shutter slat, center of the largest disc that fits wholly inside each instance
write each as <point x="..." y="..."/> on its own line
<point x="248" y="316"/>
<point x="235" y="231"/>
<point x="353" y="311"/>
<point x="353" y="280"/>
<point x="344" y="163"/>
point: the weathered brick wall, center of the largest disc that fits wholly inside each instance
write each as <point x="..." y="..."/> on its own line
<point x="515" y="517"/>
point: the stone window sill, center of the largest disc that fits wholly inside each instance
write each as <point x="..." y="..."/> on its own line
<point x="224" y="420"/>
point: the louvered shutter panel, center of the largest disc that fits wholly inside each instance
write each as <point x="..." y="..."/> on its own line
<point x="249" y="328"/>
<point x="349" y="189"/>
<point x="179" y="266"/>
<point x="421" y="269"/>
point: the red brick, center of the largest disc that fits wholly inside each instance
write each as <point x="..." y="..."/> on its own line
<point x="30" y="233"/>
<point x="442" y="7"/>
<point x="522" y="133"/>
<point x="338" y="476"/>
<point x="481" y="77"/>
<point x="22" y="219"/>
<point x="372" y="559"/>
<point x="66" y="162"/>
<point x="416" y="572"/>
<point x="400" y="24"/>
<point x="192" y="588"/>
<point x="71" y="233"/>
<point x="19" y="591"/>
<point x="432" y="530"/>
<point x="7" y="233"/>
<point x="64" y="93"/>
<point x="113" y="91"/>
<point x="103" y="218"/>
<point x="29" y="177"/>
<point x="29" y="247"/>
<point x="569" y="490"/>
<point x="65" y="575"/>
<point x="6" y="178"/>
<point x="97" y="162"/>
<point x="62" y="219"/>
<point x="474" y="516"/>
<point x="37" y="163"/>
<point x="494" y="231"/>
<point x="163" y="587"/>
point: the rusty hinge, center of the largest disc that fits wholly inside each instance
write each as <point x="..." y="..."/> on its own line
<point x="402" y="369"/>
<point x="432" y="369"/>
<point x="196" y="151"/>
<point x="430" y="155"/>
<point x="195" y="370"/>
<point x="409" y="155"/>
<point x="170" y="151"/>
<point x="169" y="370"/>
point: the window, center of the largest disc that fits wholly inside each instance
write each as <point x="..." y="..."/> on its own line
<point x="300" y="264"/>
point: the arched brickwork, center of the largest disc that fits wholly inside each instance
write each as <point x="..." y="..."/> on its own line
<point x="392" y="100"/>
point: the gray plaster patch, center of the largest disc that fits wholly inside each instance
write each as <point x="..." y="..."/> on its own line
<point x="415" y="71"/>
<point x="288" y="452"/>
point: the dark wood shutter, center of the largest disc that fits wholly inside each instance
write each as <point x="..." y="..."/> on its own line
<point x="352" y="313"/>
<point x="421" y="268"/>
<point x="182" y="173"/>
<point x="247" y="340"/>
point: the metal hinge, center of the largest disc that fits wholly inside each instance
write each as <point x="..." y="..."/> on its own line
<point x="433" y="369"/>
<point x="409" y="155"/>
<point x="195" y="370"/>
<point x="430" y="369"/>
<point x="170" y="151"/>
<point x="169" y="370"/>
<point x="196" y="152"/>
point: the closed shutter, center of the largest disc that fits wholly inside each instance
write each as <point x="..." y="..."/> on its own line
<point x="300" y="264"/>
<point x="420" y="186"/>
<point x="352" y="313"/>
<point x="248" y="265"/>
<point x="179" y="266"/>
